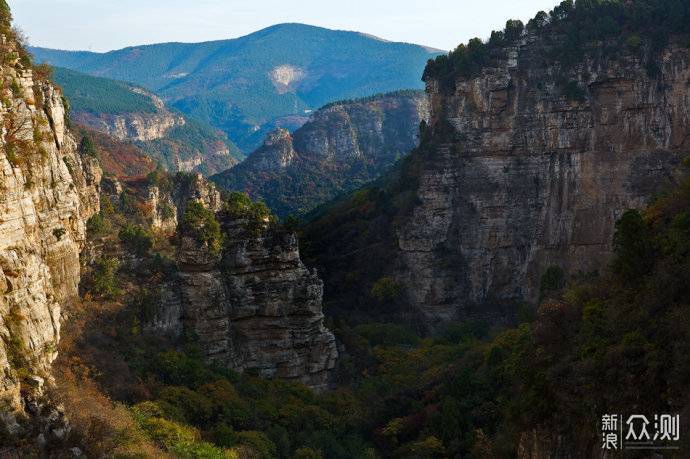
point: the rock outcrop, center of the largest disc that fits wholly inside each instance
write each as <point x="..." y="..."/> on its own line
<point x="143" y="127"/>
<point x="343" y="146"/>
<point x="130" y="115"/>
<point x="253" y="306"/>
<point x="47" y="193"/>
<point x="529" y="178"/>
<point x="523" y="167"/>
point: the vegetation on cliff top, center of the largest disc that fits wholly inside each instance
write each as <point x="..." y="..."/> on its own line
<point x="572" y="29"/>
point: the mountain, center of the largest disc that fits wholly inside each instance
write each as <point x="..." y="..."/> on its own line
<point x="131" y="113"/>
<point x="271" y="78"/>
<point x="343" y="146"/>
<point x="519" y="277"/>
<point x="539" y="140"/>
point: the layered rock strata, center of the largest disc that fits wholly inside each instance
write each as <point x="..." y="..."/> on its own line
<point x="527" y="176"/>
<point x="47" y="193"/>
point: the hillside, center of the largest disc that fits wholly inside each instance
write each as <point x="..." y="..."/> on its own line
<point x="249" y="85"/>
<point x="131" y="113"/>
<point x="342" y="147"/>
<point x="103" y="96"/>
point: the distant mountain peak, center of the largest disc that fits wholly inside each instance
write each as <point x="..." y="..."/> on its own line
<point x="262" y="79"/>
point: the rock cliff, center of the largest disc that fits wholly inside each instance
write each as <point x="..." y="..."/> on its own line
<point x="529" y="178"/>
<point x="134" y="115"/>
<point x="133" y="126"/>
<point x="343" y="146"/>
<point x="252" y="305"/>
<point x="524" y="166"/>
<point x="48" y="190"/>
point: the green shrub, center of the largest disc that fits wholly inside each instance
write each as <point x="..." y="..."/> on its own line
<point x="160" y="178"/>
<point x="224" y="435"/>
<point x="177" y="369"/>
<point x="633" y="42"/>
<point x="291" y="223"/>
<point x="167" y="211"/>
<point x="201" y="223"/>
<point x="380" y="334"/>
<point x="136" y="239"/>
<point x="87" y="147"/>
<point x="97" y="225"/>
<point x="105" y="278"/>
<point x="552" y="280"/>
<point x="43" y="72"/>
<point x="258" y="215"/>
<point x="386" y="289"/>
<point x="633" y="246"/>
<point x="258" y="443"/>
<point x="59" y="232"/>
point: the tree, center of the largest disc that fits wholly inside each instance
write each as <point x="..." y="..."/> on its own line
<point x="633" y="246"/>
<point x="385" y="289"/>
<point x="201" y="223"/>
<point x="104" y="278"/>
<point x="87" y="147"/>
<point x="513" y="29"/>
<point x="136" y="239"/>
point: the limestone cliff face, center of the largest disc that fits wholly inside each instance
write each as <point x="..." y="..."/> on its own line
<point x="254" y="306"/>
<point x="342" y="146"/>
<point x="47" y="193"/>
<point x="276" y="154"/>
<point x="133" y="126"/>
<point x="521" y="178"/>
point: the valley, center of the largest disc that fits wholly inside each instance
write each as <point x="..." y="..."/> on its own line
<point x="482" y="268"/>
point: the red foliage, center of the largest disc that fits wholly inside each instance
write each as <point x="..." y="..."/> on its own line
<point x="121" y="159"/>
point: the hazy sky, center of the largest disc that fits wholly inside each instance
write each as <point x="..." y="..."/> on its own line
<point x="100" y="25"/>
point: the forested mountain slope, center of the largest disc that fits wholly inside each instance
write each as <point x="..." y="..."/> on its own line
<point x="131" y="113"/>
<point x="271" y="78"/>
<point x="343" y="146"/>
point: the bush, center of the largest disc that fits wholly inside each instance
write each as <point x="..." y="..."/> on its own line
<point x="87" y="147"/>
<point x="552" y="280"/>
<point x="257" y="444"/>
<point x="179" y="369"/>
<point x="43" y="72"/>
<point x="105" y="278"/>
<point x="201" y="223"/>
<point x="633" y="246"/>
<point x="136" y="239"/>
<point x="386" y="289"/>
<point x="258" y="215"/>
<point x="160" y="178"/>
<point x="59" y="232"/>
<point x="97" y="225"/>
<point x="291" y="223"/>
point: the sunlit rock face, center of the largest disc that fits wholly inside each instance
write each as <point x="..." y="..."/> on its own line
<point x="48" y="191"/>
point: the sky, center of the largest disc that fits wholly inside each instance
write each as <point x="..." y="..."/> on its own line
<point x="102" y="25"/>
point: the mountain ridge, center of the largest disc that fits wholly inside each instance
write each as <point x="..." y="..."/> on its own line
<point x="249" y="85"/>
<point x="267" y="28"/>
<point x="344" y="145"/>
